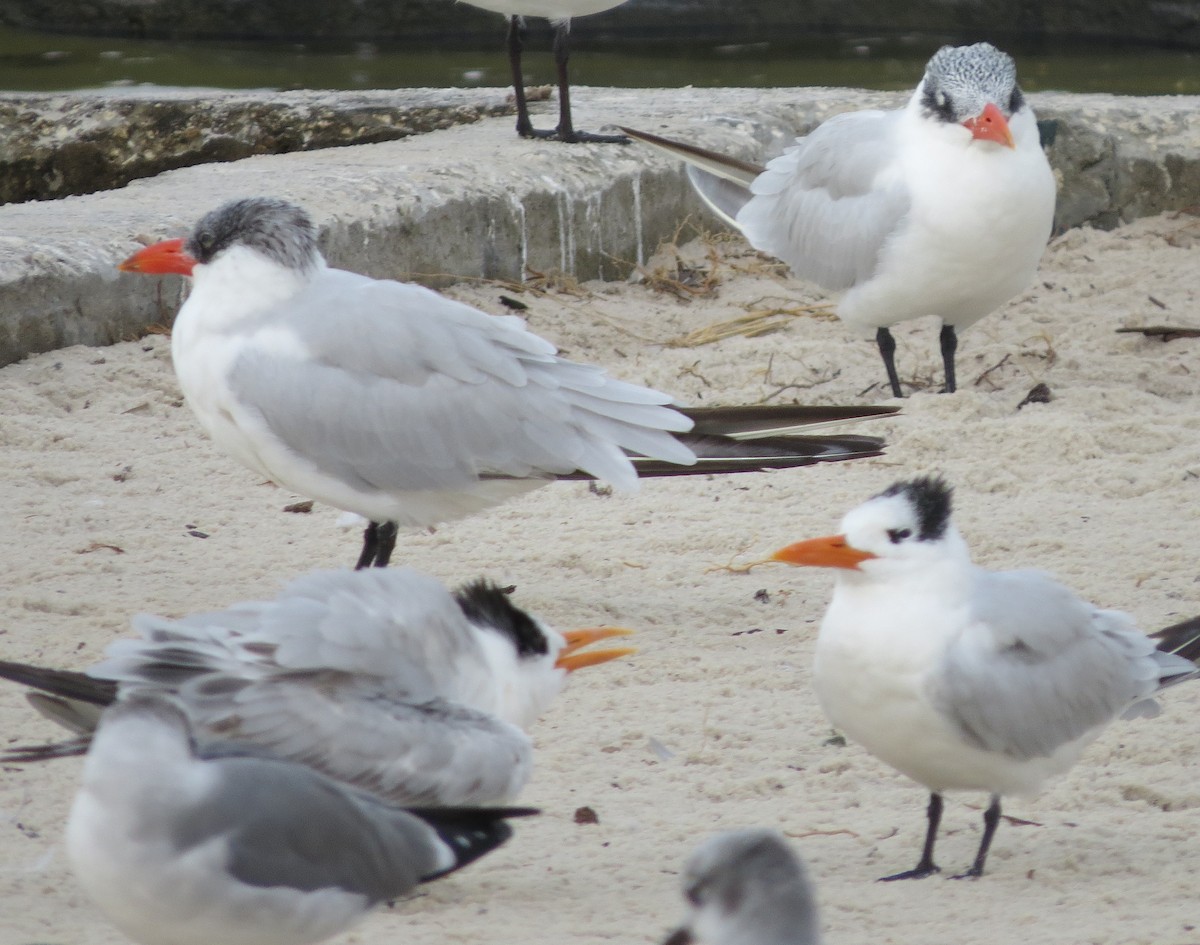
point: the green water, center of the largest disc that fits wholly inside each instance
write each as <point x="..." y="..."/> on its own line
<point x="37" y="62"/>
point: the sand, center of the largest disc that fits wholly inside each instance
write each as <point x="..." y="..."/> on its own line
<point x="116" y="503"/>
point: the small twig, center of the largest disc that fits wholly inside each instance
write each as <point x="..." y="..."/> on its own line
<point x="821" y="833"/>
<point x="985" y="376"/>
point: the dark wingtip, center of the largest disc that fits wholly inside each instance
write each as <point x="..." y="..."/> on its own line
<point x="60" y="682"/>
<point x="32" y="754"/>
<point x="1182" y="639"/>
<point x="670" y="144"/>
<point x="471" y="832"/>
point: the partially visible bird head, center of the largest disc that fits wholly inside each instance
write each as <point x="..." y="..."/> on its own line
<point x="747" y="886"/>
<point x="275" y="229"/>
<point x="905" y="526"/>
<point x="973" y="86"/>
<point x="541" y="656"/>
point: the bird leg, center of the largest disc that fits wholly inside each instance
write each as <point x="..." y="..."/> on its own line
<point x="516" y="42"/>
<point x="991" y="820"/>
<point x="379" y="541"/>
<point x="926" y="866"/>
<point x="387" y="543"/>
<point x="566" y="127"/>
<point x="949" y="345"/>
<point x="887" y="348"/>
<point x="370" y="544"/>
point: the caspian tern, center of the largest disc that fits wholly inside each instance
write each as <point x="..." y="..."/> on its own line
<point x="559" y="13"/>
<point x="963" y="678"/>
<point x="178" y="847"/>
<point x="747" y="887"/>
<point x="382" y="679"/>
<point x="940" y="208"/>
<point x="396" y="403"/>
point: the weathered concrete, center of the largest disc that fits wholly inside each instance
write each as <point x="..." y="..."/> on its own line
<point x="55" y="145"/>
<point x="475" y="200"/>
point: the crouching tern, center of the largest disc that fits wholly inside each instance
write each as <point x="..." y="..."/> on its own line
<point x="178" y="846"/>
<point x="967" y="679"/>
<point x="382" y="679"/>
<point x="941" y="208"/>
<point x="391" y="401"/>
<point x="747" y="887"/>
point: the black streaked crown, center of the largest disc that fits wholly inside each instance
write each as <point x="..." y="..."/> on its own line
<point x="279" y="230"/>
<point x="930" y="497"/>
<point x="961" y="80"/>
<point x="483" y="602"/>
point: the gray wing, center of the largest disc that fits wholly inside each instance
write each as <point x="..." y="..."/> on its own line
<point x="432" y="754"/>
<point x="288" y="826"/>
<point x="386" y="623"/>
<point x="828" y="206"/>
<point x="1039" y="668"/>
<point x="404" y="389"/>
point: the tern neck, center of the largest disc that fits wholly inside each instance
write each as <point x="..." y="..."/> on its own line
<point x="519" y="688"/>
<point x="136" y="762"/>
<point x="242" y="283"/>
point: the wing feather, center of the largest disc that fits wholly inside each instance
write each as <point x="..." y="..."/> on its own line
<point x="1039" y="668"/>
<point x="440" y="395"/>
<point x="828" y="206"/>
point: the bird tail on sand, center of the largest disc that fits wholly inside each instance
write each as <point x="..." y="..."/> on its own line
<point x="470" y="832"/>
<point x="1182" y="639"/>
<point x="73" y="700"/>
<point x="723" y="182"/>
<point x="752" y="439"/>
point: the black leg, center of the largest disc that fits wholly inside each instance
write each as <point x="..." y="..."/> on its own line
<point x="379" y="541"/>
<point x="566" y="127"/>
<point x="887" y="348"/>
<point x="926" y="866"/>
<point x="516" y="42"/>
<point x="949" y="346"/>
<point x="562" y="52"/>
<point x="991" y="820"/>
<point x="387" y="543"/>
<point x="370" y="546"/>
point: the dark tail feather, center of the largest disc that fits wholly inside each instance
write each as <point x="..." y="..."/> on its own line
<point x="706" y="157"/>
<point x="470" y="832"/>
<point x="720" y="454"/>
<point x="1182" y="639"/>
<point x="772" y="419"/>
<point x="61" y="682"/>
<point x="31" y="754"/>
<point x="1163" y="332"/>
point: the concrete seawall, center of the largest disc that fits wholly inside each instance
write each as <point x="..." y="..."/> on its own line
<point x="473" y="200"/>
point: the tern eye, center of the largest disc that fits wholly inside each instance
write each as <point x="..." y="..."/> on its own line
<point x="1016" y="101"/>
<point x="898" y="535"/>
<point x="938" y="104"/>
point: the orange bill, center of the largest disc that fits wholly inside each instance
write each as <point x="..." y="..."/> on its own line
<point x="571" y="659"/>
<point x="990" y="125"/>
<point x="828" y="552"/>
<point x="160" y="259"/>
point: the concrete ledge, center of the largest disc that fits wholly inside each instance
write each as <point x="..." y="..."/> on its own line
<point x="476" y="201"/>
<point x="59" y="144"/>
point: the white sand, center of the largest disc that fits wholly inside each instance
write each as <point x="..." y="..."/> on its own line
<point x="105" y="472"/>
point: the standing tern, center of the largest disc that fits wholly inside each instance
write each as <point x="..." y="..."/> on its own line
<point x="394" y="402"/>
<point x="964" y="678"/>
<point x="559" y="13"/>
<point x="747" y="887"/>
<point x="180" y="847"/>
<point x="382" y="679"/>
<point x="940" y="208"/>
